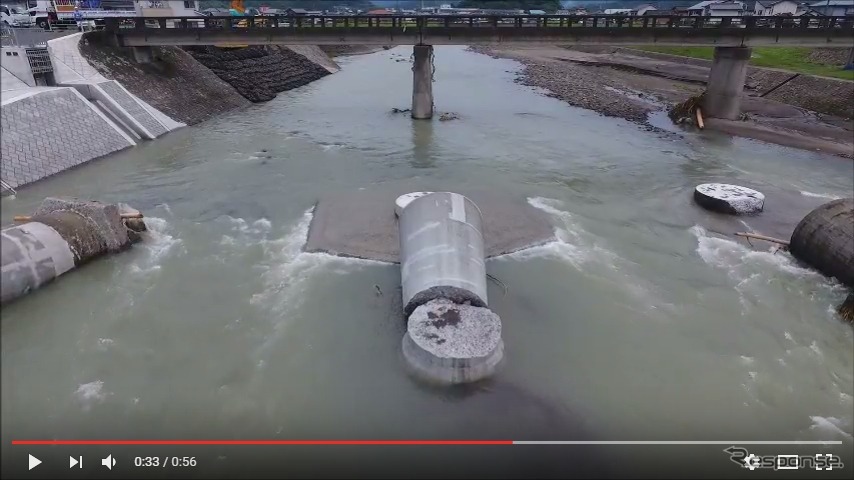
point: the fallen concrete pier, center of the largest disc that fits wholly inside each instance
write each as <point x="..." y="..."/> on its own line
<point x="62" y="234"/>
<point x="451" y="336"/>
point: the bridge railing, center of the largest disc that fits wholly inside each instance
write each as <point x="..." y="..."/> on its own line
<point x="641" y="23"/>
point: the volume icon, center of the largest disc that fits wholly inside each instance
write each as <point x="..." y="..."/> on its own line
<point x="109" y="462"/>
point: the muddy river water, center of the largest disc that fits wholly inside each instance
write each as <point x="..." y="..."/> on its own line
<point x="645" y="320"/>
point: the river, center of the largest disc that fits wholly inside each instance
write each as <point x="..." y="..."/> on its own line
<point x="646" y="320"/>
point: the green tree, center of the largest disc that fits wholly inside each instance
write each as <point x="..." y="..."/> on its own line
<point x="547" y="5"/>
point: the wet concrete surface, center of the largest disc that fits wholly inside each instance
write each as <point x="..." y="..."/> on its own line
<point x="362" y="224"/>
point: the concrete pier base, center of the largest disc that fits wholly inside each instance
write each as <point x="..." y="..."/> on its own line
<point x="449" y="343"/>
<point x="422" y="82"/>
<point x="726" y="82"/>
<point x="363" y="224"/>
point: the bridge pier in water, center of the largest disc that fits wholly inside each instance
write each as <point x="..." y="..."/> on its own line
<point x="726" y="82"/>
<point x="422" y="82"/>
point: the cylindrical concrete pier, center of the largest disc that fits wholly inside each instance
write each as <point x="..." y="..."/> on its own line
<point x="422" y="82"/>
<point x="61" y="234"/>
<point x="824" y="240"/>
<point x="451" y="337"/>
<point x="441" y="251"/>
<point x="726" y="82"/>
<point x="32" y="255"/>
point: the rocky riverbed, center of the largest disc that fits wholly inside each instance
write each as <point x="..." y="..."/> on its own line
<point x="578" y="86"/>
<point x="632" y="87"/>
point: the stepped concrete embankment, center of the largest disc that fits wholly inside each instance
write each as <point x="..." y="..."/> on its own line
<point x="174" y="82"/>
<point x="105" y="101"/>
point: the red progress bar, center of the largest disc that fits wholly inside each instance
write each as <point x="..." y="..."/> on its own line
<point x="262" y="442"/>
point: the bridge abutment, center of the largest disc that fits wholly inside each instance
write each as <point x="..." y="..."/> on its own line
<point x="726" y="82"/>
<point x="142" y="54"/>
<point x="422" y="82"/>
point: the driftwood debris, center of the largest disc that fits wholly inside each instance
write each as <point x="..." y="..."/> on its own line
<point x="700" y="123"/>
<point x="686" y="112"/>
<point x="846" y="310"/>
<point x="757" y="236"/>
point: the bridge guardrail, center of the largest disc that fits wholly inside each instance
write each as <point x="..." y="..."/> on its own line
<point x="643" y="23"/>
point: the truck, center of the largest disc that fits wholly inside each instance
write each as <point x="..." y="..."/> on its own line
<point x="15" y="16"/>
<point x="74" y="13"/>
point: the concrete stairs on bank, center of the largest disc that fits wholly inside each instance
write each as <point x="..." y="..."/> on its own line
<point x="85" y="116"/>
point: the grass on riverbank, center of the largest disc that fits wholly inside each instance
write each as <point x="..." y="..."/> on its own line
<point x="795" y="59"/>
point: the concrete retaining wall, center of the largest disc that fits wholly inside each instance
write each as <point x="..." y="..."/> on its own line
<point x="10" y="81"/>
<point x="260" y="72"/>
<point x="16" y="67"/>
<point x="48" y="130"/>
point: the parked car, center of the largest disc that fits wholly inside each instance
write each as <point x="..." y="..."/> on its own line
<point x="15" y="16"/>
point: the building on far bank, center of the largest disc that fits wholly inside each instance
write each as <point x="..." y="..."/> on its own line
<point x="645" y="9"/>
<point x="618" y="11"/>
<point x="834" y="8"/>
<point x="769" y="8"/>
<point x="717" y="8"/>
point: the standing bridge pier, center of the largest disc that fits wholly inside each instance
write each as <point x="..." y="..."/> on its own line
<point x="732" y="38"/>
<point x="422" y="82"/>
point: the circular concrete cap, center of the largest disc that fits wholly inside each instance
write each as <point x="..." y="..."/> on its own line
<point x="725" y="198"/>
<point x="451" y="343"/>
<point x="402" y="201"/>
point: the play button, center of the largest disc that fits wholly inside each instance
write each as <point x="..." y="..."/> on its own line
<point x="34" y="462"/>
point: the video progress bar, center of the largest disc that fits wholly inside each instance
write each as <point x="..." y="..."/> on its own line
<point x="426" y="442"/>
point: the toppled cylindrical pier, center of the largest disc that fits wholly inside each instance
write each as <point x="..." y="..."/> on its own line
<point x="824" y="239"/>
<point x="441" y="251"/>
<point x="60" y="235"/>
<point x="451" y="336"/>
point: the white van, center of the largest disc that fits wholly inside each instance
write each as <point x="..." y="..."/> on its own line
<point x="15" y="16"/>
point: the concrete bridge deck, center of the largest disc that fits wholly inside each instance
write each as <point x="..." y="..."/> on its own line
<point x="484" y="30"/>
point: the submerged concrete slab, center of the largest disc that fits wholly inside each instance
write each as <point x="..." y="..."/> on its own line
<point x="363" y="224"/>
